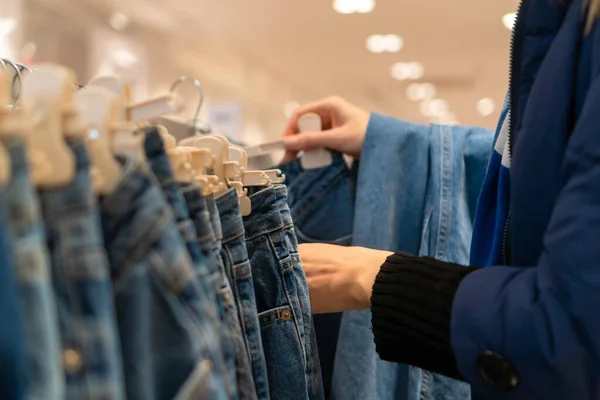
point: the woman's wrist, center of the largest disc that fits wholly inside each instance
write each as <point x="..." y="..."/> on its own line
<point x="363" y="288"/>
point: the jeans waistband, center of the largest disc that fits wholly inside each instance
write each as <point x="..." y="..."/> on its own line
<point x="229" y="210"/>
<point x="269" y="211"/>
<point x="293" y="169"/>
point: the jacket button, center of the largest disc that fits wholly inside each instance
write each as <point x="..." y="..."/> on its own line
<point x="497" y="371"/>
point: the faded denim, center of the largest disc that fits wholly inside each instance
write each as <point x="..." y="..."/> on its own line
<point x="238" y="361"/>
<point x="239" y="273"/>
<point x="424" y="205"/>
<point x="167" y="350"/>
<point x="282" y="298"/>
<point x="91" y="352"/>
<point x="200" y="217"/>
<point x="31" y="269"/>
<point x="315" y="196"/>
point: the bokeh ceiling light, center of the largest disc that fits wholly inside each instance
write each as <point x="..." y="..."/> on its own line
<point x="353" y="6"/>
<point x="486" y="106"/>
<point x="403" y="71"/>
<point x="420" y="91"/>
<point x="118" y="21"/>
<point x="124" y="58"/>
<point x="384" y="43"/>
<point x="434" y="108"/>
<point x="508" y="20"/>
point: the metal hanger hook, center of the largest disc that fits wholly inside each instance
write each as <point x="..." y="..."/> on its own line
<point x="196" y="83"/>
<point x="23" y="67"/>
<point x="16" y="77"/>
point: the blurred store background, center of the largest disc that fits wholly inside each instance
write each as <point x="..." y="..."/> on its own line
<point x="421" y="60"/>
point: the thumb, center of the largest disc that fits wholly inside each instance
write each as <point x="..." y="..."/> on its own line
<point x="310" y="140"/>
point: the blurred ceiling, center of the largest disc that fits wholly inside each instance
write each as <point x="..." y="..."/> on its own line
<point x="462" y="45"/>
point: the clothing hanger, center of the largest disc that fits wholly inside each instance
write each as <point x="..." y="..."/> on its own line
<point x="98" y="114"/>
<point x="182" y="130"/>
<point x="254" y="178"/>
<point x="228" y="172"/>
<point x="129" y="140"/>
<point x="201" y="160"/>
<point x="312" y="159"/>
<point x="47" y="95"/>
<point x="179" y="158"/>
<point x="16" y="77"/>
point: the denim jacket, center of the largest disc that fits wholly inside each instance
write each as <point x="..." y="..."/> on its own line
<point x="417" y="191"/>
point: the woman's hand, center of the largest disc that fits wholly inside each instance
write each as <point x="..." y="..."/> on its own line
<point x="344" y="124"/>
<point x="340" y="278"/>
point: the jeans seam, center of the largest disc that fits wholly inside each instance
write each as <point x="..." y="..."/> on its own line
<point x="266" y="231"/>
<point x="128" y="262"/>
<point x="235" y="293"/>
<point x="445" y="175"/>
<point x="287" y="294"/>
<point x="318" y="197"/>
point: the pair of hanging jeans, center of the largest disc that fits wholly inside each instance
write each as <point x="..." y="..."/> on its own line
<point x="239" y="273"/>
<point x="166" y="349"/>
<point x="322" y="205"/>
<point x="199" y="215"/>
<point x="240" y="361"/>
<point x="91" y="352"/>
<point x="31" y="269"/>
<point x="282" y="298"/>
<point x="205" y="308"/>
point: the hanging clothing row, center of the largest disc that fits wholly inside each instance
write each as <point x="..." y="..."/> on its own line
<point x="134" y="268"/>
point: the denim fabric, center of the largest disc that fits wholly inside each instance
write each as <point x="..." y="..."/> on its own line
<point x="167" y="350"/>
<point x="239" y="361"/>
<point x="282" y="298"/>
<point x="424" y="205"/>
<point x="160" y="166"/>
<point x="415" y="207"/>
<point x="13" y="355"/>
<point x="239" y="273"/>
<point x="314" y="196"/>
<point x="31" y="269"/>
<point x="200" y="216"/>
<point x="80" y="275"/>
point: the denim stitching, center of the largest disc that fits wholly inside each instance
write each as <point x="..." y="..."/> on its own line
<point x="288" y="297"/>
<point x="445" y="189"/>
<point x="268" y="230"/>
<point x="318" y="197"/>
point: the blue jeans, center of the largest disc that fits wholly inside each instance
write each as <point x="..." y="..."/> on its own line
<point x="239" y="273"/>
<point x="167" y="349"/>
<point x="282" y="298"/>
<point x="31" y="269"/>
<point x="322" y="206"/>
<point x="13" y="356"/>
<point x="199" y="215"/>
<point x="239" y="362"/>
<point x="91" y="351"/>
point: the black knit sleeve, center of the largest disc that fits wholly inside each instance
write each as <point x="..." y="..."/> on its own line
<point x="411" y="306"/>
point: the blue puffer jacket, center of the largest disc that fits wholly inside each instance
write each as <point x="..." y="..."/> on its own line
<point x="542" y="313"/>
